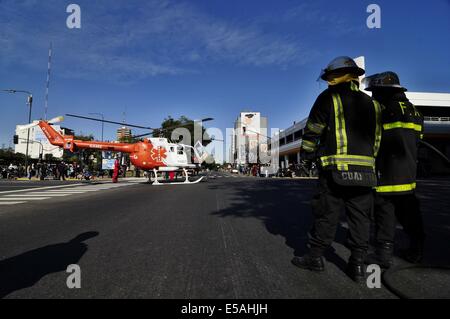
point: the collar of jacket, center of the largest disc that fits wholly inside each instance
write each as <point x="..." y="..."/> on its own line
<point x="391" y="95"/>
<point x="342" y="86"/>
<point x="343" y="79"/>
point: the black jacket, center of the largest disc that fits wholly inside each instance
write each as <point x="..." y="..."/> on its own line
<point x="344" y="129"/>
<point x="402" y="130"/>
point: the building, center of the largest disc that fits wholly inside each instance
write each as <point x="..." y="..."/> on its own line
<point x="249" y="138"/>
<point x="435" y="108"/>
<point x="123" y="133"/>
<point x="290" y="140"/>
<point x="38" y="146"/>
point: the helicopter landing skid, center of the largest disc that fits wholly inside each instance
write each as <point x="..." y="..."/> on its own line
<point x="186" y="182"/>
<point x="179" y="183"/>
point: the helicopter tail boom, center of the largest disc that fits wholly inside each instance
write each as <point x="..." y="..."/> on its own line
<point x="69" y="143"/>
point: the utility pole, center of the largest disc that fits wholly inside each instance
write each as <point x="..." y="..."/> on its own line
<point x="48" y="79"/>
<point x="30" y="104"/>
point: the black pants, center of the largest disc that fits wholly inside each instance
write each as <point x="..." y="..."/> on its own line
<point x="404" y="208"/>
<point x="332" y="199"/>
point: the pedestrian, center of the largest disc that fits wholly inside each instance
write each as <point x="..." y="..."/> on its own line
<point x="343" y="133"/>
<point x="116" y="172"/>
<point x="62" y="171"/>
<point x="397" y="167"/>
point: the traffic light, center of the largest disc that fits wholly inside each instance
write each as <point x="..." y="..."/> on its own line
<point x="16" y="139"/>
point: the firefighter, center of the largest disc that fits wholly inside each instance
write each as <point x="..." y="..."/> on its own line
<point x="396" y="166"/>
<point x="343" y="134"/>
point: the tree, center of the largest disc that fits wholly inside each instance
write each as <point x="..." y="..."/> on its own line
<point x="7" y="156"/>
<point x="48" y="157"/>
<point x="170" y="124"/>
<point x="128" y="139"/>
<point x="83" y="156"/>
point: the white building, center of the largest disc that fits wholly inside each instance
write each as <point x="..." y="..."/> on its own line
<point x="38" y="143"/>
<point x="250" y="137"/>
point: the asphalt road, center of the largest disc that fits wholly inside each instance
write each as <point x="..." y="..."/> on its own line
<point x="229" y="237"/>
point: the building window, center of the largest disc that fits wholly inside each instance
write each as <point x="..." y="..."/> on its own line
<point x="290" y="138"/>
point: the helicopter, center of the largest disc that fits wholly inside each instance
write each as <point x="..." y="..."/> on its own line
<point x="155" y="154"/>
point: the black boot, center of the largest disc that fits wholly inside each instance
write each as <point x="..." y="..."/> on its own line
<point x="355" y="268"/>
<point x="309" y="262"/>
<point x="383" y="255"/>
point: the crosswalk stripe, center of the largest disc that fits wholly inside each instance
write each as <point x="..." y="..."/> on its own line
<point x="38" y="189"/>
<point x="23" y="198"/>
<point x="68" y="192"/>
<point x="38" y="195"/>
<point x="44" y="193"/>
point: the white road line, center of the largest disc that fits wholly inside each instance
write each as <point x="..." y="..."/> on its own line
<point x="39" y="188"/>
<point x="43" y="193"/>
<point x="98" y="188"/>
<point x="67" y="192"/>
<point x="38" y="195"/>
<point x="23" y="198"/>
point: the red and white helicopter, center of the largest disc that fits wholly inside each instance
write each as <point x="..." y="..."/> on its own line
<point x="150" y="154"/>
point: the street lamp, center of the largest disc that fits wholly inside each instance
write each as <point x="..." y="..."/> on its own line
<point x="30" y="103"/>
<point x="103" y="126"/>
<point x="103" y="119"/>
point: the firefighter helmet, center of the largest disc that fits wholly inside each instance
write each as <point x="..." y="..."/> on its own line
<point x="342" y="64"/>
<point x="383" y="80"/>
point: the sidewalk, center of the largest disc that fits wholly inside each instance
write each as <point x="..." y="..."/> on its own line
<point x="104" y="179"/>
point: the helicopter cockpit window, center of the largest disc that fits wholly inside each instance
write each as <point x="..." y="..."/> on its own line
<point x="180" y="150"/>
<point x="172" y="149"/>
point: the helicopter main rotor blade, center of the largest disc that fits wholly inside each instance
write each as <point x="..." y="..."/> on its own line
<point x="163" y="129"/>
<point x="111" y="122"/>
<point x="141" y="135"/>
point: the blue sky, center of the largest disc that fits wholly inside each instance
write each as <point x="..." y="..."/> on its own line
<point x="209" y="58"/>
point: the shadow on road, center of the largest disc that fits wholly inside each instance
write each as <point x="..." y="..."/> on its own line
<point x="27" y="269"/>
<point x="435" y="206"/>
<point x="283" y="206"/>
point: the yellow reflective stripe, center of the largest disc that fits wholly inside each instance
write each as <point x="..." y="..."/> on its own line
<point x="315" y="127"/>
<point x="337" y="123"/>
<point x="342" y="148"/>
<point x="341" y="134"/>
<point x="396" y="188"/>
<point x="378" y="133"/>
<point x="406" y="125"/>
<point x="344" y="130"/>
<point x="345" y="160"/>
<point x="308" y="145"/>
<point x="353" y="86"/>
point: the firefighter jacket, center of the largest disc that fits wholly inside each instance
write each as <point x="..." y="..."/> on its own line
<point x="402" y="131"/>
<point x="344" y="130"/>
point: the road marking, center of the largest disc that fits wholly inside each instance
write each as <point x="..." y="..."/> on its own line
<point x="68" y="191"/>
<point x="23" y="198"/>
<point x="78" y="185"/>
<point x="44" y="193"/>
<point x="38" y="195"/>
<point x="39" y="188"/>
